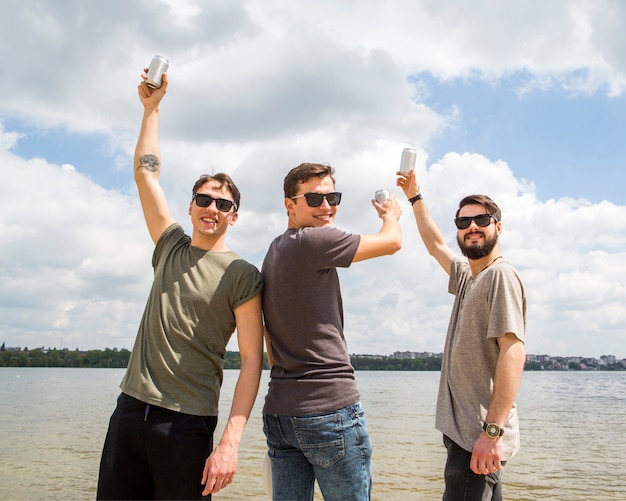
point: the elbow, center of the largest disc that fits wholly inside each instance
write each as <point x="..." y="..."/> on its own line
<point x="391" y="244"/>
<point x="391" y="247"/>
<point x="395" y="246"/>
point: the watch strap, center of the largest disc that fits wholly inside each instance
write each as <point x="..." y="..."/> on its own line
<point x="414" y="199"/>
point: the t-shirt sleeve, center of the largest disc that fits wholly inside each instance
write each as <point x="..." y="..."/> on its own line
<point x="172" y="235"/>
<point x="508" y="304"/>
<point x="328" y="247"/>
<point x="248" y="283"/>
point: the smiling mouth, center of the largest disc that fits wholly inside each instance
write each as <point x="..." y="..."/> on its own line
<point x="474" y="236"/>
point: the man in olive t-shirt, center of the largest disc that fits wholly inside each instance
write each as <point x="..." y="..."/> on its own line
<point x="159" y="444"/>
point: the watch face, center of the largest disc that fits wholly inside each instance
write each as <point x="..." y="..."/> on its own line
<point x="493" y="430"/>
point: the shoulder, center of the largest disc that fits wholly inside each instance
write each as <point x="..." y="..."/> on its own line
<point x="325" y="234"/>
<point x="459" y="267"/>
<point x="505" y="270"/>
<point x="173" y="237"/>
<point x="503" y="280"/>
<point x="232" y="261"/>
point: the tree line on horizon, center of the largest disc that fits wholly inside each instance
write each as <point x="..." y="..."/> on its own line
<point x="114" y="358"/>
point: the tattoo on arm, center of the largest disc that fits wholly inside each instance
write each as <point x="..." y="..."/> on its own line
<point x="149" y="162"/>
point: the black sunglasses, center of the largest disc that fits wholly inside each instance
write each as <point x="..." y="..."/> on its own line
<point x="222" y="204"/>
<point x="316" y="199"/>
<point x="482" y="220"/>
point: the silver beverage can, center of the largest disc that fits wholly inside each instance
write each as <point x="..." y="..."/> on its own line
<point x="158" y="66"/>
<point x="381" y="195"/>
<point x="407" y="161"/>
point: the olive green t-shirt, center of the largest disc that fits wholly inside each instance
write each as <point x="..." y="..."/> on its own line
<point x="178" y="356"/>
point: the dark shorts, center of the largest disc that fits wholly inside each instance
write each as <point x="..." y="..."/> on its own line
<point x="154" y="453"/>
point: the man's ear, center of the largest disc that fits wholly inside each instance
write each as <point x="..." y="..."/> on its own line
<point x="289" y="205"/>
<point x="233" y="218"/>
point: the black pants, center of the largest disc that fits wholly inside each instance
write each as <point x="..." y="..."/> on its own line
<point x="462" y="484"/>
<point x="154" y="453"/>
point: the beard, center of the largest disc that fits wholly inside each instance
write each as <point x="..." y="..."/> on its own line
<point x="478" y="251"/>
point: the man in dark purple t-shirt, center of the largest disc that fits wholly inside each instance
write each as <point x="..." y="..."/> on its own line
<point x="313" y="418"/>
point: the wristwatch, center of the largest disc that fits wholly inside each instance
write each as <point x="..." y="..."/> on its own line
<point x="493" y="430"/>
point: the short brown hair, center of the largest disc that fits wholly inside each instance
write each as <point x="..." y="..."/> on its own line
<point x="302" y="173"/>
<point x="223" y="180"/>
<point x="485" y="201"/>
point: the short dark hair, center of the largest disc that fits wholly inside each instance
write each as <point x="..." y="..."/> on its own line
<point x="485" y="201"/>
<point x="302" y="173"/>
<point x="223" y="180"/>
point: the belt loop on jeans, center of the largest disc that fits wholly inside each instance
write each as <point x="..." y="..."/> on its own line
<point x="146" y="412"/>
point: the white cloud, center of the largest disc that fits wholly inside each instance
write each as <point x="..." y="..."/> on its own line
<point x="257" y="88"/>
<point x="74" y="258"/>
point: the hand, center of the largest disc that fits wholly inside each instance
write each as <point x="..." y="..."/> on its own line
<point x="486" y="455"/>
<point x="149" y="97"/>
<point x="408" y="183"/>
<point x="388" y="207"/>
<point x="219" y="469"/>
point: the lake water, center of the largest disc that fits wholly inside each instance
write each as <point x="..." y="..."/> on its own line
<point x="53" y="422"/>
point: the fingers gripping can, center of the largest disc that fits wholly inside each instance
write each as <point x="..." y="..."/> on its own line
<point x="381" y="195"/>
<point x="158" y="66"/>
<point x="407" y="161"/>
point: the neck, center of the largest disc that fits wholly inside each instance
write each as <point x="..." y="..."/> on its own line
<point x="209" y="244"/>
<point x="478" y="265"/>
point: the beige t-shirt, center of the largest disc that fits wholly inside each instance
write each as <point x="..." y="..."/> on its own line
<point x="485" y="307"/>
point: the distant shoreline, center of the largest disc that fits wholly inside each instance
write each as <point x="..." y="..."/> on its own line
<point x="399" y="361"/>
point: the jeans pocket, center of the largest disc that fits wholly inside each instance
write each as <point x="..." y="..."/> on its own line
<point x="320" y="438"/>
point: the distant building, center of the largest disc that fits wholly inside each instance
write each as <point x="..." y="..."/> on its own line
<point x="606" y="360"/>
<point x="412" y="355"/>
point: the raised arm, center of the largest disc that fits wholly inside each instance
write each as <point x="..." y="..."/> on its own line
<point x="147" y="162"/>
<point x="389" y="239"/>
<point x="221" y="465"/>
<point x="429" y="231"/>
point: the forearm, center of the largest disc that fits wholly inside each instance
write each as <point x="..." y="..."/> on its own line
<point x="147" y="152"/>
<point x="243" y="400"/>
<point x="507" y="379"/>
<point x="427" y="228"/>
<point x="432" y="237"/>
<point x="391" y="232"/>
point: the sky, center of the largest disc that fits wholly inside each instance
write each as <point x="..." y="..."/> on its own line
<point x="522" y="101"/>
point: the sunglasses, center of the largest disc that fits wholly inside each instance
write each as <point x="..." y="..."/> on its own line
<point x="222" y="204"/>
<point x="482" y="220"/>
<point x="317" y="199"/>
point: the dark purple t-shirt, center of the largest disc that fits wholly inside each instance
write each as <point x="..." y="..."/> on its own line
<point x="303" y="313"/>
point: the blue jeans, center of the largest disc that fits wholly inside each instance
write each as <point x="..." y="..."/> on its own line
<point x="333" y="448"/>
<point x="462" y="484"/>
